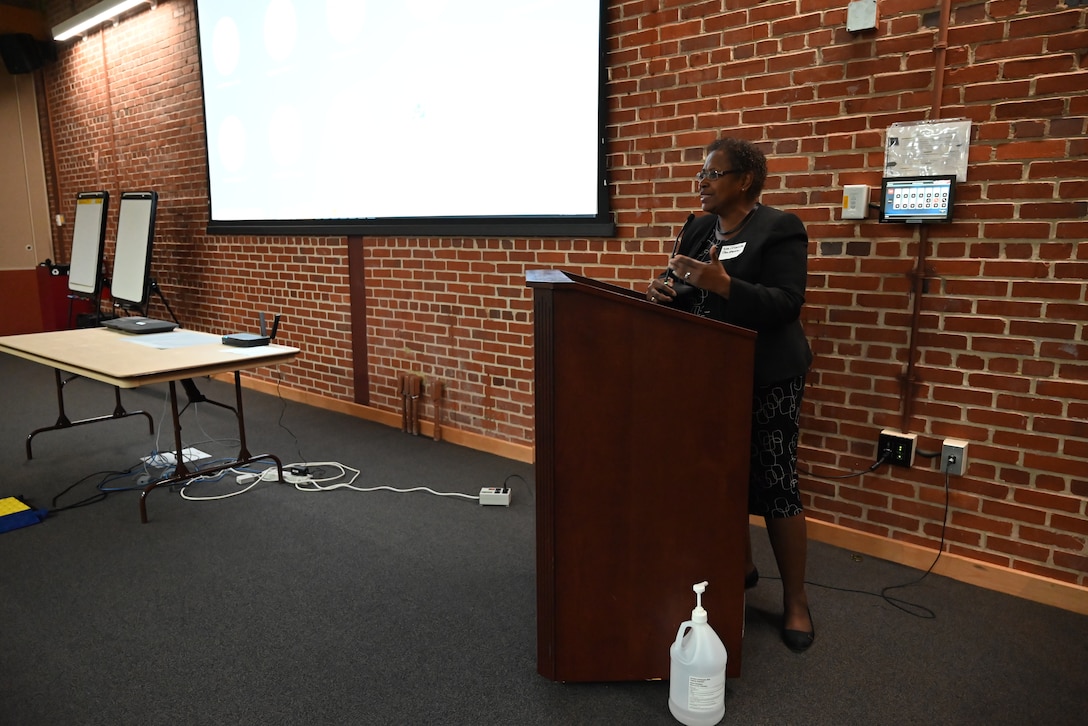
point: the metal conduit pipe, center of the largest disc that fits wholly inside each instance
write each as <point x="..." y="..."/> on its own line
<point x="909" y="379"/>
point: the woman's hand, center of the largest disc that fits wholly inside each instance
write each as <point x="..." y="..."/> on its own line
<point x="703" y="275"/>
<point x="660" y="291"/>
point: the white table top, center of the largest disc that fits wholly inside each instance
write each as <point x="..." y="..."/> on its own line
<point x="129" y="361"/>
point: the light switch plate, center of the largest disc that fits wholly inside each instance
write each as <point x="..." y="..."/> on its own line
<point x="855" y="201"/>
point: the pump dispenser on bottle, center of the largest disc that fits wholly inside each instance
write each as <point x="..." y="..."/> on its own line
<point x="697" y="671"/>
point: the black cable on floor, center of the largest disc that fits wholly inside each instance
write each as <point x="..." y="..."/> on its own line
<point x="920" y="611"/>
<point x="940" y="551"/>
<point x="98" y="496"/>
<point x="282" y="425"/>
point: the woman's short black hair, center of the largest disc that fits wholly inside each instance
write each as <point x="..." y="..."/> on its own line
<point x="745" y="157"/>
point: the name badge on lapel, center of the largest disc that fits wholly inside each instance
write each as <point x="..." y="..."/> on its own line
<point x="728" y="252"/>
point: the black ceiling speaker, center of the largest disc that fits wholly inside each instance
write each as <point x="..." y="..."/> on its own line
<point x="23" y="53"/>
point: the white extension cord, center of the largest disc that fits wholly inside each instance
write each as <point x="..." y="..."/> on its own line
<point x="306" y="482"/>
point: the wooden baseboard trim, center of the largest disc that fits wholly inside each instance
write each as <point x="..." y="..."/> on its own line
<point x="477" y="442"/>
<point x="1025" y="585"/>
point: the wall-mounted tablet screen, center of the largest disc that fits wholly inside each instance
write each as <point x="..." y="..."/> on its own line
<point x="88" y="236"/>
<point x="914" y="199"/>
<point x="132" y="256"/>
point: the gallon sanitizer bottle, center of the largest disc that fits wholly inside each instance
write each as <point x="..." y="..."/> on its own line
<point x="697" y="673"/>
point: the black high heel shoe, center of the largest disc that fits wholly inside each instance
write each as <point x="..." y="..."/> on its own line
<point x="800" y="640"/>
<point x="751" y="579"/>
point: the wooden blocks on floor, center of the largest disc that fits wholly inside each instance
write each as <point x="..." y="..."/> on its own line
<point x="410" y="387"/>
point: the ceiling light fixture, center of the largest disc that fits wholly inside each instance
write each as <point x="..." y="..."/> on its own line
<point x="93" y="17"/>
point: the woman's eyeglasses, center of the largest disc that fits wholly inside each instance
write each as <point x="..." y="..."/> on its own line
<point x="714" y="174"/>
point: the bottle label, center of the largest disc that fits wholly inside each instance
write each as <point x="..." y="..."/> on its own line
<point x="706" y="693"/>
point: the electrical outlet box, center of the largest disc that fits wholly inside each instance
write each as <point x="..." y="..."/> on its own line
<point x="954" y="457"/>
<point x="861" y="15"/>
<point x="896" y="448"/>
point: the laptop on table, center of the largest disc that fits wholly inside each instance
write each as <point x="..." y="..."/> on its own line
<point x="139" y="325"/>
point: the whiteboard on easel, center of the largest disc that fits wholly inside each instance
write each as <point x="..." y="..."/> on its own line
<point x="132" y="255"/>
<point x="88" y="235"/>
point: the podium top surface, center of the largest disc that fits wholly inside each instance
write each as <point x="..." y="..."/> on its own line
<point x="560" y="279"/>
<point x="536" y="278"/>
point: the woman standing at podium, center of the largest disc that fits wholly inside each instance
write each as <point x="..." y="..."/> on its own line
<point x="746" y="264"/>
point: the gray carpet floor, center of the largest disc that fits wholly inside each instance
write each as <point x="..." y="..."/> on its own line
<point x="343" y="607"/>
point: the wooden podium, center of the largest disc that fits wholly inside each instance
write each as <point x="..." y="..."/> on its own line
<point x="642" y="444"/>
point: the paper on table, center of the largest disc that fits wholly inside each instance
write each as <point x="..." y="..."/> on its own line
<point x="173" y="339"/>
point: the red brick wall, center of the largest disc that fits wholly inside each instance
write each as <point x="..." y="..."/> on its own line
<point x="1000" y="353"/>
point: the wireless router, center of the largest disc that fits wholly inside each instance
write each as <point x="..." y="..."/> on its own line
<point x="252" y="340"/>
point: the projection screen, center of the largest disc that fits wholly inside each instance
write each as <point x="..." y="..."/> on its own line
<point x="405" y="117"/>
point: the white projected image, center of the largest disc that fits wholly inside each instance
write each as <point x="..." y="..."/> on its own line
<point x="420" y="108"/>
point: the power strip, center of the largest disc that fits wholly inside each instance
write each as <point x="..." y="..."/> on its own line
<point x="495" y="496"/>
<point x="288" y="477"/>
